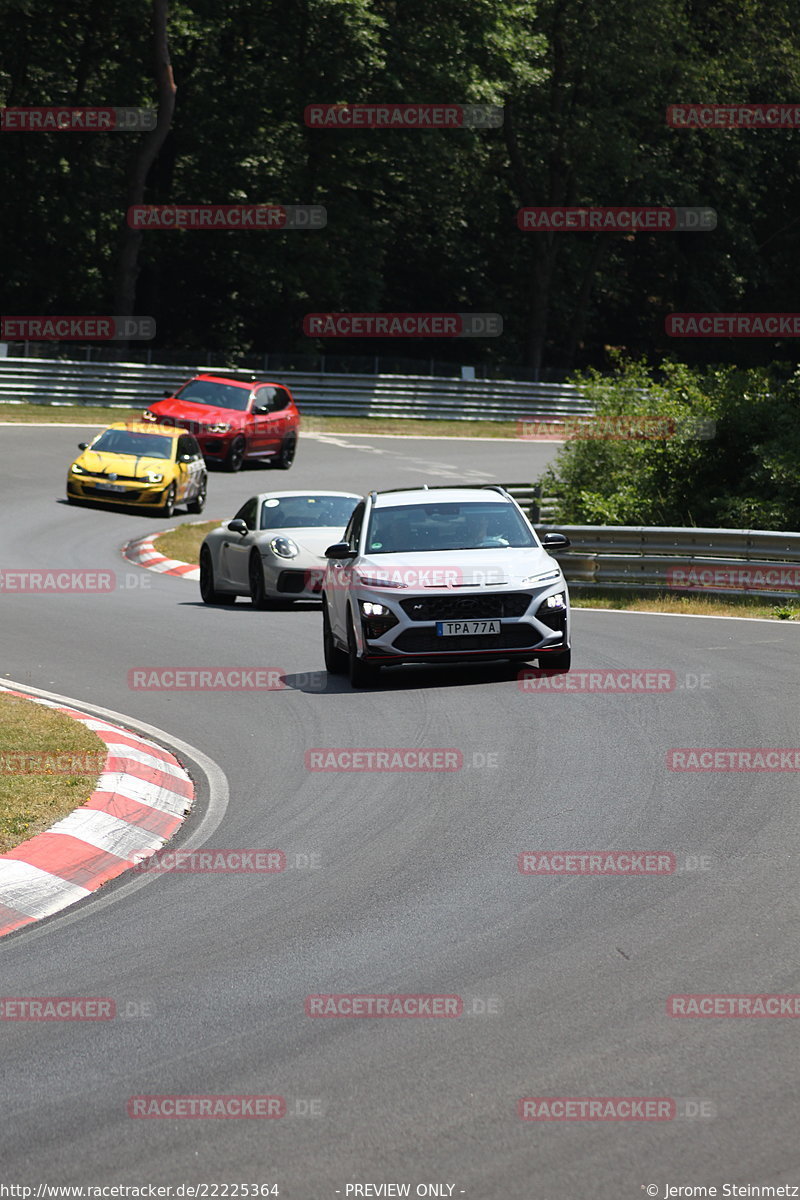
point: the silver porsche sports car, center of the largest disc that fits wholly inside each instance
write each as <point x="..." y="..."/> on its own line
<point x="273" y="549"/>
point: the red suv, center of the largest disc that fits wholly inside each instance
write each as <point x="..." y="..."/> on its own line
<point x="234" y="421"/>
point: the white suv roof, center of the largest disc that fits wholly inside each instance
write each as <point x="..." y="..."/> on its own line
<point x="438" y="495"/>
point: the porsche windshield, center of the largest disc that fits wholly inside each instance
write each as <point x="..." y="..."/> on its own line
<point x="124" y="441"/>
<point x="435" y="527"/>
<point x="296" y="512"/>
<point x="217" y="395"/>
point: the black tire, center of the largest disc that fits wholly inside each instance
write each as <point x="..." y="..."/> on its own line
<point x="258" y="593"/>
<point x="235" y="456"/>
<point x="335" y="659"/>
<point x="208" y="592"/>
<point x="285" y="456"/>
<point x="168" y="507"/>
<point x="556" y="662"/>
<point x="360" y="673"/>
<point x="198" y="504"/>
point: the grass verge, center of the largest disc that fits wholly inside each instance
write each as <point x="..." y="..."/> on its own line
<point x="184" y="542"/>
<point x="404" y="426"/>
<point x="675" y="602"/>
<point x="49" y="765"/>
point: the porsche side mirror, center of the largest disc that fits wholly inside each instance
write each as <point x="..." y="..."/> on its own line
<point x="339" y="550"/>
<point x="237" y="525"/>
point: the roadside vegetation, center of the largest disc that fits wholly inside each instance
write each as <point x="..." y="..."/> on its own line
<point x="728" y="455"/>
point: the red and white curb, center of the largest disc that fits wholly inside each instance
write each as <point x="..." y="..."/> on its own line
<point x="143" y="795"/>
<point x="143" y="553"/>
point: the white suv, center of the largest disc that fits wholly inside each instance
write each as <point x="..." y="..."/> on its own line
<point x="442" y="574"/>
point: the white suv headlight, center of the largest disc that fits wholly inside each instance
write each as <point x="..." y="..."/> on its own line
<point x="370" y="609"/>
<point x="543" y="577"/>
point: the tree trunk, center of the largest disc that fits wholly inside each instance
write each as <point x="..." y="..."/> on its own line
<point x="149" y="147"/>
<point x="582" y="303"/>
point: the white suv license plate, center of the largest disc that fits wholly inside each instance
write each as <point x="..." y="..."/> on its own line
<point x="459" y="628"/>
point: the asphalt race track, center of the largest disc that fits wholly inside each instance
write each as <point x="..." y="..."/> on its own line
<point x="564" y="981"/>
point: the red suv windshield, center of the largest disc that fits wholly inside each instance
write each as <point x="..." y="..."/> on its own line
<point x="218" y="395"/>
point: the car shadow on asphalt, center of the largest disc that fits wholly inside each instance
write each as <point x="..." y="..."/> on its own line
<point x="410" y="677"/>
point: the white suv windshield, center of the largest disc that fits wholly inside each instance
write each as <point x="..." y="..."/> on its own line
<point x="432" y="526"/>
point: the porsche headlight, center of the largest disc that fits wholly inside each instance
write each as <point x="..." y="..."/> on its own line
<point x="284" y="547"/>
<point x="76" y="470"/>
<point x="154" y="477"/>
<point x="220" y="427"/>
<point x="149" y="416"/>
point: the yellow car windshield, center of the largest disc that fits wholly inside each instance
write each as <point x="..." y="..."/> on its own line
<point x="125" y="441"/>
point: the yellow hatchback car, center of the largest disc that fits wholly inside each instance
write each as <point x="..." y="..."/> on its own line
<point x="149" y="466"/>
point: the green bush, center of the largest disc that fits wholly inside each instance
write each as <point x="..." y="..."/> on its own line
<point x="746" y="475"/>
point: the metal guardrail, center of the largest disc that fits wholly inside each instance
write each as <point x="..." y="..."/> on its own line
<point x="48" y="381"/>
<point x="738" y="562"/>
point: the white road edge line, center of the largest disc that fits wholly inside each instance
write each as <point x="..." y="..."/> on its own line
<point x="695" y="616"/>
<point x="218" y="796"/>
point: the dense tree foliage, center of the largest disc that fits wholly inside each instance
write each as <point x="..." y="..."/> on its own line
<point x="728" y="456"/>
<point x="417" y="221"/>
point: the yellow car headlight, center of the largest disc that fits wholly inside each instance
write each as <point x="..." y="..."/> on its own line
<point x="76" y="470"/>
<point x="154" y="477"/>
